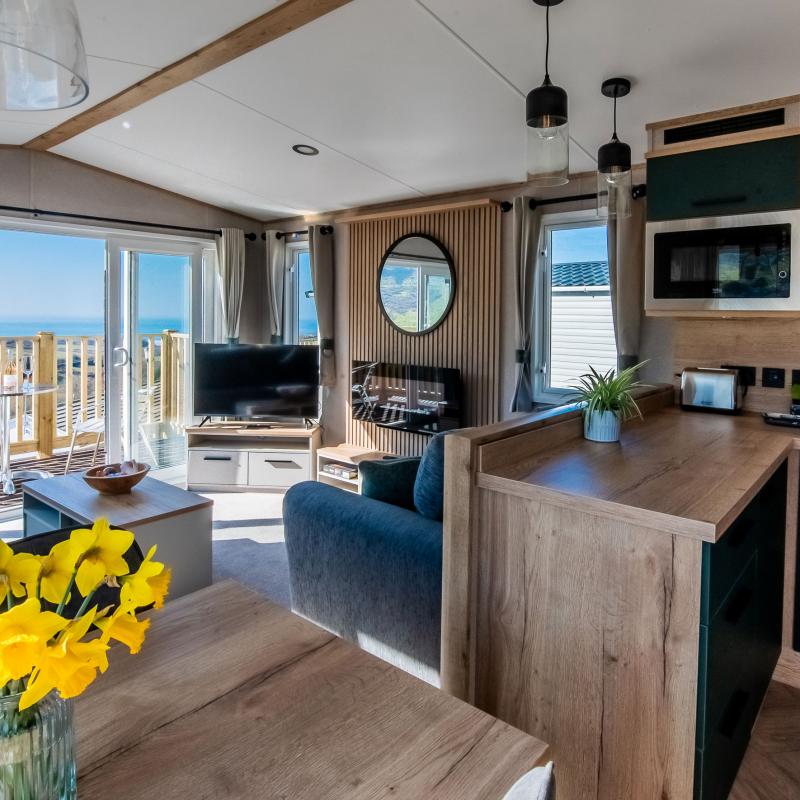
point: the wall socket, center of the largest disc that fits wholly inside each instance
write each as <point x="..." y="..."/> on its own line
<point x="773" y="377"/>
<point x="747" y="375"/>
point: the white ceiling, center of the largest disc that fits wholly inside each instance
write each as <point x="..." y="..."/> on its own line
<point x="406" y="98"/>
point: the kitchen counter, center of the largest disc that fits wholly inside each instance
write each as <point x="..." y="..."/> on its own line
<point x="622" y="601"/>
<point x="678" y="471"/>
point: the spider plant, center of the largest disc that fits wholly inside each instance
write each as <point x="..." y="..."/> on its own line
<point x="611" y="391"/>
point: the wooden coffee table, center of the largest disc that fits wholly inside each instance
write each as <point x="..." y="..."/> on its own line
<point x="235" y="697"/>
<point x="179" y="522"/>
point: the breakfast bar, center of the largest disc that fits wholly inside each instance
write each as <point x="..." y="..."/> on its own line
<point x="629" y="602"/>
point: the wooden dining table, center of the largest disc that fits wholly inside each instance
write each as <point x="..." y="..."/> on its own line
<point x="233" y="696"/>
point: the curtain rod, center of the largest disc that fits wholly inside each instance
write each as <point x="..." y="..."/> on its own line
<point x="637" y="192"/>
<point x="38" y="212"/>
<point x="324" y="230"/>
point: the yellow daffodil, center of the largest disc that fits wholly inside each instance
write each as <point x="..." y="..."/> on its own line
<point x="100" y="554"/>
<point x="160" y="586"/>
<point x="57" y="569"/>
<point x="146" y="586"/>
<point x="68" y="664"/>
<point x="16" y="570"/>
<point x="24" y="633"/>
<point x="123" y="626"/>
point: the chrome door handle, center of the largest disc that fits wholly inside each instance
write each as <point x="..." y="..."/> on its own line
<point x="126" y="357"/>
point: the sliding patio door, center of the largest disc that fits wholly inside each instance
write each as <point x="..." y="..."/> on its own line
<point x="154" y="314"/>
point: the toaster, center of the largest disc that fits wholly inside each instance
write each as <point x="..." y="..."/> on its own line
<point x="711" y="390"/>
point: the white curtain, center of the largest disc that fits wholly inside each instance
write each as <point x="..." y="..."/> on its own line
<point x="276" y="278"/>
<point x="320" y="246"/>
<point x="230" y="268"/>
<point x="626" y="274"/>
<point x="527" y="227"/>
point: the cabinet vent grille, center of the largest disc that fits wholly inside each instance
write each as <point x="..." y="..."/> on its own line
<point x="772" y="118"/>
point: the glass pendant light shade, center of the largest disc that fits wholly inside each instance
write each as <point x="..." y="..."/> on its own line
<point x="547" y="119"/>
<point x="614" y="180"/>
<point x="548" y="135"/>
<point x="42" y="56"/>
<point x="614" y="194"/>
<point x="614" y="176"/>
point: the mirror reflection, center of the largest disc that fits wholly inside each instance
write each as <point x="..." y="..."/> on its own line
<point x="416" y="284"/>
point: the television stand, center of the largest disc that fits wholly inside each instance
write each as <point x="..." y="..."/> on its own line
<point x="240" y="456"/>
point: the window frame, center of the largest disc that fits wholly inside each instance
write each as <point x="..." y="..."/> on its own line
<point x="291" y="292"/>
<point x="543" y="391"/>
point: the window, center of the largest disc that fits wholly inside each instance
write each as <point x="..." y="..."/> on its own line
<point x="301" y="325"/>
<point x="415" y="293"/>
<point x="574" y="308"/>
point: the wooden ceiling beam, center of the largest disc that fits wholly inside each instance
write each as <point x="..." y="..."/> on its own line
<point x="285" y="18"/>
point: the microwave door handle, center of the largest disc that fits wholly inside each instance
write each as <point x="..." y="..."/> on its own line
<point x="720" y="201"/>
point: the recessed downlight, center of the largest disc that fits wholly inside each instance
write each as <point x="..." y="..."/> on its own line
<point x="305" y="150"/>
<point x="126" y="125"/>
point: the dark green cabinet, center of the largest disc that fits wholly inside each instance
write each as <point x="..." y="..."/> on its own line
<point x="740" y="635"/>
<point x="740" y="179"/>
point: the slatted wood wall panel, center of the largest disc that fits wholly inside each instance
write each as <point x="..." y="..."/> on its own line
<point x="468" y="340"/>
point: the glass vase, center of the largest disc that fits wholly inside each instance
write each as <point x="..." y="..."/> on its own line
<point x="37" y="750"/>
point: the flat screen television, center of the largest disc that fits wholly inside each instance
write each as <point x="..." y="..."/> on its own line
<point x="252" y="381"/>
<point x="407" y="397"/>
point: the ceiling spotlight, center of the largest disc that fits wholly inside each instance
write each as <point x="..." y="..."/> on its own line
<point x="126" y="125"/>
<point x="305" y="150"/>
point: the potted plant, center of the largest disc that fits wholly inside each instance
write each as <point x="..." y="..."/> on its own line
<point x="48" y="653"/>
<point x="608" y="401"/>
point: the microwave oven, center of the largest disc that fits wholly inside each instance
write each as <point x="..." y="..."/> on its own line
<point x="732" y="263"/>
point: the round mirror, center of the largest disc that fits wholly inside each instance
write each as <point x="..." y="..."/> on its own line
<point x="416" y="284"/>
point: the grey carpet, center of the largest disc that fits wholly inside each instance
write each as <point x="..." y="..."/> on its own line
<point x="248" y="543"/>
<point x="259" y="565"/>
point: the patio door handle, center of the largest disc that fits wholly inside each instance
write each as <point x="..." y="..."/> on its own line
<point x="126" y="357"/>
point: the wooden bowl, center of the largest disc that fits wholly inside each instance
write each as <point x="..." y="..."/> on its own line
<point x="114" y="484"/>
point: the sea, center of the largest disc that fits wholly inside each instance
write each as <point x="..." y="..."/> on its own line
<point x="82" y="326"/>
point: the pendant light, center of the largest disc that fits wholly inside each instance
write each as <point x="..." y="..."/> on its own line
<point x="42" y="57"/>
<point x="548" y="125"/>
<point x="614" y="177"/>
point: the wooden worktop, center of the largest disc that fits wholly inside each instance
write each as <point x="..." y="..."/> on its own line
<point x="682" y="472"/>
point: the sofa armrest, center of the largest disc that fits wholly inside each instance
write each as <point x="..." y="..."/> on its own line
<point x="368" y="571"/>
<point x="390" y="480"/>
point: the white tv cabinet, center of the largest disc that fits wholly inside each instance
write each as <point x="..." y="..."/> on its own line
<point x="239" y="457"/>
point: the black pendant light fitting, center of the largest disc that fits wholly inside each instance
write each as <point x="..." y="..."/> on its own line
<point x="615" y="156"/>
<point x="547" y="105"/>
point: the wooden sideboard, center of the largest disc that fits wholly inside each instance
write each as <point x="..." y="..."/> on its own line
<point x="622" y="602"/>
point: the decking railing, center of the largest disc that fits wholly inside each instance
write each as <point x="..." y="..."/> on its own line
<point x="75" y="365"/>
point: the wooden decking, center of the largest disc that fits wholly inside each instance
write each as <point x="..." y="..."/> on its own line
<point x="81" y="460"/>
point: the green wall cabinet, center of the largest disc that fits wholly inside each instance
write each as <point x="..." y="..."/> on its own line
<point x="740" y="179"/>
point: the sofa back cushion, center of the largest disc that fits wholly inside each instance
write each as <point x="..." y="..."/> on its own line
<point x="429" y="486"/>
<point x="391" y="480"/>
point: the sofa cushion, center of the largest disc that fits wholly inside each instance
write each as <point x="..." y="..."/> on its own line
<point x="429" y="486"/>
<point x="390" y="481"/>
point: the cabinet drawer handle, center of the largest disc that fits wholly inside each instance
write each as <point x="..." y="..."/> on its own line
<point x="738" y="605"/>
<point x="279" y="463"/>
<point x="733" y="713"/>
<point x="720" y="201"/>
<point x="217" y="458"/>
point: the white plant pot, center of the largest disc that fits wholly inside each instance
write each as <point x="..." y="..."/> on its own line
<point x="10" y="383"/>
<point x="602" y="426"/>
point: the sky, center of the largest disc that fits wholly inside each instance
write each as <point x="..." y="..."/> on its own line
<point x="46" y="277"/>
<point x="580" y="244"/>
